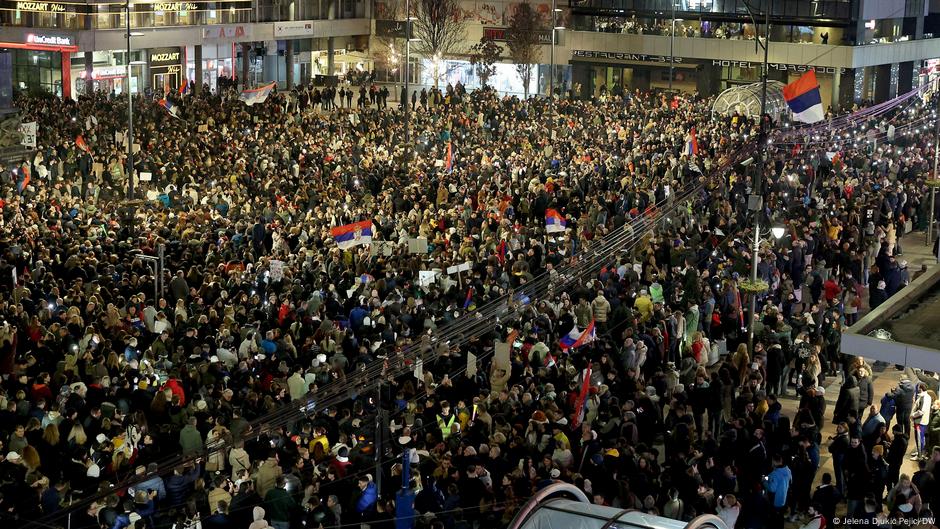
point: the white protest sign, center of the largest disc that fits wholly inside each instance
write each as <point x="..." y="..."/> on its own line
<point x="29" y="131"/>
<point x="426" y="277"/>
<point x="501" y="354"/>
<point x="277" y="270"/>
<point x="471" y="364"/>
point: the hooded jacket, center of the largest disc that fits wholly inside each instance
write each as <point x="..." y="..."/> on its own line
<point x="258" y="517"/>
<point x="847" y="401"/>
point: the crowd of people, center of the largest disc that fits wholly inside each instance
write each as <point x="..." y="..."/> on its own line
<point x="132" y="399"/>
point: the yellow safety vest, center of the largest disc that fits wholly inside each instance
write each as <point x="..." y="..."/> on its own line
<point x="445" y="427"/>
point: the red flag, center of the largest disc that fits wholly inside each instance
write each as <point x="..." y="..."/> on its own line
<point x="183" y="86"/>
<point x="80" y="143"/>
<point x="578" y="415"/>
<point x="450" y="157"/>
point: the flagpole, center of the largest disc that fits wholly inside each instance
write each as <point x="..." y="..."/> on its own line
<point x="756" y="200"/>
<point x="130" y="110"/>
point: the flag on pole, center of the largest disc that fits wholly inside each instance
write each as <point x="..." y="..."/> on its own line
<point x="576" y="338"/>
<point x="469" y="301"/>
<point x="256" y="95"/>
<point x="24" y="179"/>
<point x="352" y="234"/>
<point x="554" y="221"/>
<point x="184" y="86"/>
<point x="691" y="144"/>
<point x="803" y="98"/>
<point x="581" y="403"/>
<point x="170" y="107"/>
<point x="81" y="144"/>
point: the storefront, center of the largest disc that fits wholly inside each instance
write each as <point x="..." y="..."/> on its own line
<point x="593" y="71"/>
<point x="217" y="61"/>
<point x="41" y="64"/>
<point x="108" y="72"/>
<point x="166" y="68"/>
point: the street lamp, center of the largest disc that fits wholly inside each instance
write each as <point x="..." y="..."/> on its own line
<point x="672" y="47"/>
<point x="777" y="231"/>
<point x="555" y="28"/>
<point x="130" y="105"/>
<point x="756" y="199"/>
<point x="409" y="20"/>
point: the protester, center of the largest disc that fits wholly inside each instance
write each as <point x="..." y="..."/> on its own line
<point x="274" y="363"/>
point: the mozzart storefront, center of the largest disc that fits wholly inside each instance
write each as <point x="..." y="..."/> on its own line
<point x="596" y="71"/>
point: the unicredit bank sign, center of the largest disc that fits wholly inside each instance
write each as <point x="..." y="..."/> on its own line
<point x="49" y="40"/>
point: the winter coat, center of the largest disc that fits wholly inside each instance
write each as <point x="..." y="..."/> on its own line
<point x="903" y="397"/>
<point x="847" y="401"/>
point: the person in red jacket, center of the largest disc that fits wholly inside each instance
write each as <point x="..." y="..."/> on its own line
<point x="174" y="385"/>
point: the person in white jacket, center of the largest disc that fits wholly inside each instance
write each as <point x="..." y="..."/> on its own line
<point x="729" y="509"/>
<point x="920" y="417"/>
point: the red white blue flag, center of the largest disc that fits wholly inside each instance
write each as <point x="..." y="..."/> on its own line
<point x="803" y="98"/>
<point x="554" y="221"/>
<point x="256" y="95"/>
<point x="581" y="404"/>
<point x="352" y="234"/>
<point x="576" y="338"/>
<point x="170" y="107"/>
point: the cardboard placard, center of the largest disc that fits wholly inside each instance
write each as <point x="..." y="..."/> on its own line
<point x="459" y="268"/>
<point x="501" y="354"/>
<point x="418" y="245"/>
<point x="145" y="177"/>
<point x="97" y="168"/>
<point x="471" y="364"/>
<point x="136" y="148"/>
<point x="426" y="277"/>
<point x="202" y="128"/>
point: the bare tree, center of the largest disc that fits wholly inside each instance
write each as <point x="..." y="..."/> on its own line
<point x="483" y="56"/>
<point x="440" y="27"/>
<point x="522" y="36"/>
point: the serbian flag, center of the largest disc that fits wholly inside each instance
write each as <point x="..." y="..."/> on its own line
<point x="803" y="98"/>
<point x="581" y="403"/>
<point x="691" y="144"/>
<point x="450" y="157"/>
<point x="469" y="300"/>
<point x="182" y="89"/>
<point x="352" y="234"/>
<point x="24" y="179"/>
<point x="256" y="95"/>
<point x="577" y="338"/>
<point x="170" y="107"/>
<point x="80" y="143"/>
<point x="554" y="221"/>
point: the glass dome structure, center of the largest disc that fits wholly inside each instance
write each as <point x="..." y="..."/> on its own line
<point x="745" y="99"/>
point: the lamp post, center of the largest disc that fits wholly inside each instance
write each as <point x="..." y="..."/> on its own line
<point x="130" y="105"/>
<point x="936" y="166"/>
<point x="407" y="104"/>
<point x="756" y="200"/>
<point x="672" y="46"/>
<point x="555" y="28"/>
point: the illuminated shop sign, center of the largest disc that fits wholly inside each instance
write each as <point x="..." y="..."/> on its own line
<point x="615" y="56"/>
<point x="175" y="6"/>
<point x="51" y="40"/>
<point x="45" y="7"/>
<point x="798" y="68"/>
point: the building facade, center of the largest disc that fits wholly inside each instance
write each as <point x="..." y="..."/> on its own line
<point x="860" y="49"/>
<point x="70" y="48"/>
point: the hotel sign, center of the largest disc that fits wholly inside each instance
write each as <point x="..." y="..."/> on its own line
<point x="45" y="7"/>
<point x="798" y="68"/>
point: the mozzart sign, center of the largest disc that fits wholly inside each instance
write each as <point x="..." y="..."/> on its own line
<point x="45" y="7"/>
<point x="175" y="6"/>
<point x="165" y="56"/>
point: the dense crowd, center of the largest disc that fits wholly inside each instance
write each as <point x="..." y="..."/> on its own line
<point x="110" y="376"/>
